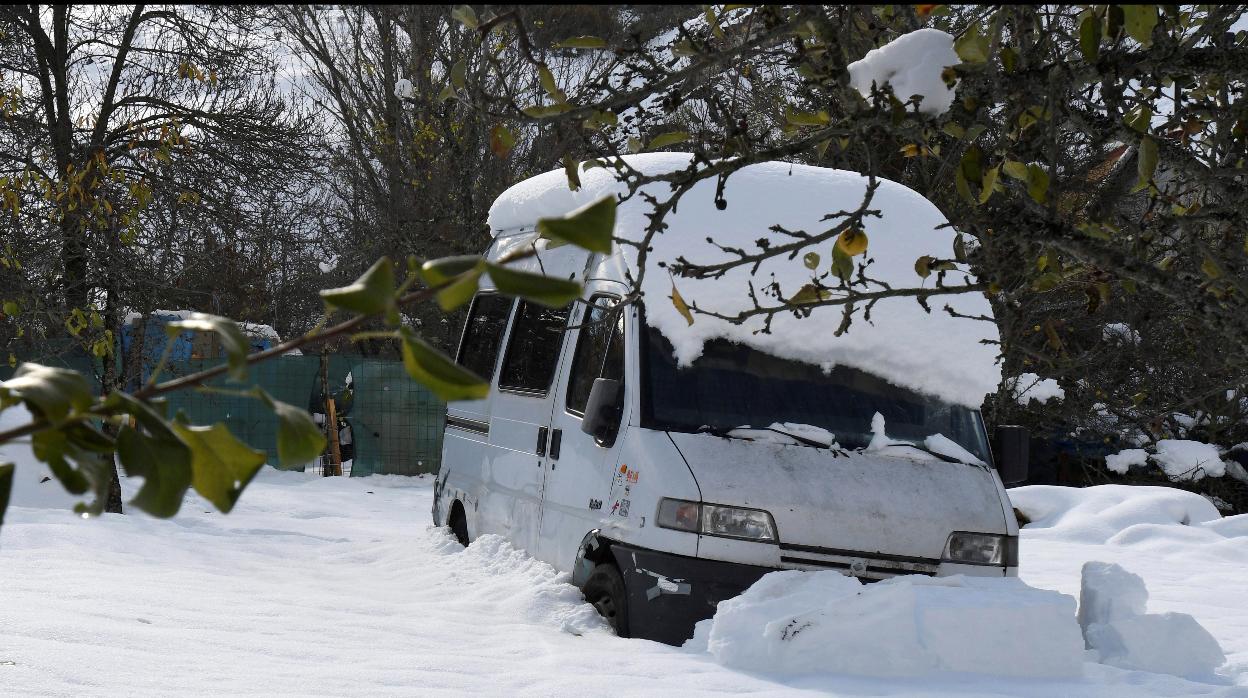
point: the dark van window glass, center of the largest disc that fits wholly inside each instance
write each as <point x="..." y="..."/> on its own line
<point x="483" y="334"/>
<point x="533" y="348"/>
<point x="599" y="351"/>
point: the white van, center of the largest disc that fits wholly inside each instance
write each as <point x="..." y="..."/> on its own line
<point x="665" y="485"/>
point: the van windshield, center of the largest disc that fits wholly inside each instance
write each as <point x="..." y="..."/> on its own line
<point x="732" y="385"/>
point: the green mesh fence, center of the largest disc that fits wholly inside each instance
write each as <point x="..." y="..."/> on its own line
<point x="391" y="424"/>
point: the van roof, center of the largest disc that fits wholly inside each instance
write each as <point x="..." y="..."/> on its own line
<point x="935" y="353"/>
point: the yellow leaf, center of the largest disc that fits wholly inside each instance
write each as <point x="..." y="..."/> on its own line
<point x="852" y="242"/>
<point x="681" y="306"/>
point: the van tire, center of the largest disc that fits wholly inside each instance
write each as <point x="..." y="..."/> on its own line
<point x="606" y="592"/>
<point x="459" y="523"/>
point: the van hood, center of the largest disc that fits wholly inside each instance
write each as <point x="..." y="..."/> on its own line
<point x="871" y="503"/>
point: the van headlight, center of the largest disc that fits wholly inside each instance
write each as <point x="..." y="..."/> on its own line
<point x="981" y="549"/>
<point x="717" y="520"/>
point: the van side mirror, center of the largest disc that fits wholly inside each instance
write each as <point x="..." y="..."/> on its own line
<point x="1013" y="453"/>
<point x="603" y="410"/>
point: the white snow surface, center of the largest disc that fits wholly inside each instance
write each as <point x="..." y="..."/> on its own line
<point x="1122" y="461"/>
<point x="933" y="353"/>
<point x="1112" y="605"/>
<point x="912" y="64"/>
<point x="1189" y="460"/>
<point x="784" y="433"/>
<point x="795" y="622"/>
<point x="339" y="586"/>
<point x="1029" y="386"/>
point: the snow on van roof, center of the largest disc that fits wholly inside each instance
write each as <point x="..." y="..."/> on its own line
<point x="933" y="353"/>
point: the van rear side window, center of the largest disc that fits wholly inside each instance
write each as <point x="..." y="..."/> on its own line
<point x="478" y="352"/>
<point x="533" y="348"/>
<point x="599" y="351"/>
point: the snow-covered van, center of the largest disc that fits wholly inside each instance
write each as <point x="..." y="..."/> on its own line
<point x="668" y="464"/>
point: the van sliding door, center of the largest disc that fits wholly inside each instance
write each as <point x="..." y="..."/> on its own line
<point x="520" y="424"/>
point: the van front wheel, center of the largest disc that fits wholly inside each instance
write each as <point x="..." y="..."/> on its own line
<point x="605" y="591"/>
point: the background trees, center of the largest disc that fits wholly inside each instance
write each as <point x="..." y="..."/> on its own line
<point x="235" y="159"/>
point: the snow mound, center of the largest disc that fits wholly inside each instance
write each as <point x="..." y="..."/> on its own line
<point x="1112" y="605"/>
<point x="1123" y="461"/>
<point x="795" y="622"/>
<point x="932" y="353"/>
<point x="543" y="597"/>
<point x="1029" y="386"/>
<point x="1116" y="514"/>
<point x="1189" y="460"/>
<point x="912" y="64"/>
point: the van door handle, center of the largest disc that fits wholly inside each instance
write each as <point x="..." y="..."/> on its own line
<point x="556" y="438"/>
<point x="541" y="441"/>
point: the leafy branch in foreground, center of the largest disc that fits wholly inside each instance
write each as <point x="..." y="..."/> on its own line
<point x="172" y="455"/>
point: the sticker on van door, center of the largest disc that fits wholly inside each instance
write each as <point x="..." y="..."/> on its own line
<point x="621" y="490"/>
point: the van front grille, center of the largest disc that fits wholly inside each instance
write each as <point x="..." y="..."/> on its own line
<point x="855" y="563"/>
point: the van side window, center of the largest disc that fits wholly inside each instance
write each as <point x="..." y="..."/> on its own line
<point x="533" y="348"/>
<point x="599" y="351"/>
<point x="483" y="333"/>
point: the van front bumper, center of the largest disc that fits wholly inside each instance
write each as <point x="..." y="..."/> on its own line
<point x="668" y="594"/>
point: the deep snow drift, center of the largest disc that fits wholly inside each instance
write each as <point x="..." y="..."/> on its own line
<point x="901" y="343"/>
<point x="338" y="586"/>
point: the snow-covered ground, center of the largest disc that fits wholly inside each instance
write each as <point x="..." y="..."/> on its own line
<point x="339" y="586"/>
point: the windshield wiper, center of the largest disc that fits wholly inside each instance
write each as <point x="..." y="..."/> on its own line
<point x="930" y="452"/>
<point x="727" y="434"/>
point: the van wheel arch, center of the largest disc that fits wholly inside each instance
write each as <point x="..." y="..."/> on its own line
<point x="594" y="549"/>
<point x="457" y="520"/>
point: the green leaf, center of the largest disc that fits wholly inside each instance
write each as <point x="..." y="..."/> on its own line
<point x="678" y="301"/>
<point x="466" y="16"/>
<point x="972" y="46"/>
<point x="548" y="291"/>
<point x="1015" y="169"/>
<point x="1090" y="37"/>
<point x="541" y="111"/>
<point x="6" y="487"/>
<point x="459" y="74"/>
<point x="432" y="369"/>
<point x="811" y="260"/>
<point x="1211" y="268"/>
<point x="461" y="291"/>
<point x="446" y="93"/>
<point x="842" y="263"/>
<point x="50" y="392"/>
<point x="582" y="42"/>
<point x="1139" y="21"/>
<point x="665" y="139"/>
<point x="372" y="293"/>
<point x="810" y="294"/>
<point x="1146" y="161"/>
<point x="436" y="272"/>
<point x="1037" y="183"/>
<point x="572" y="171"/>
<point x="299" y="439"/>
<point x="83" y="445"/>
<point x="221" y="465"/>
<point x="232" y="339"/>
<point x="590" y="226"/>
<point x="548" y="83"/>
<point x="989" y="183"/>
<point x="806" y="118"/>
<point x="164" y="463"/>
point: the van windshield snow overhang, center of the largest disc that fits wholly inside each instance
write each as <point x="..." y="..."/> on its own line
<point x="731" y="386"/>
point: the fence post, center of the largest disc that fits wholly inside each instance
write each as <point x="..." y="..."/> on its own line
<point x="334" y="452"/>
